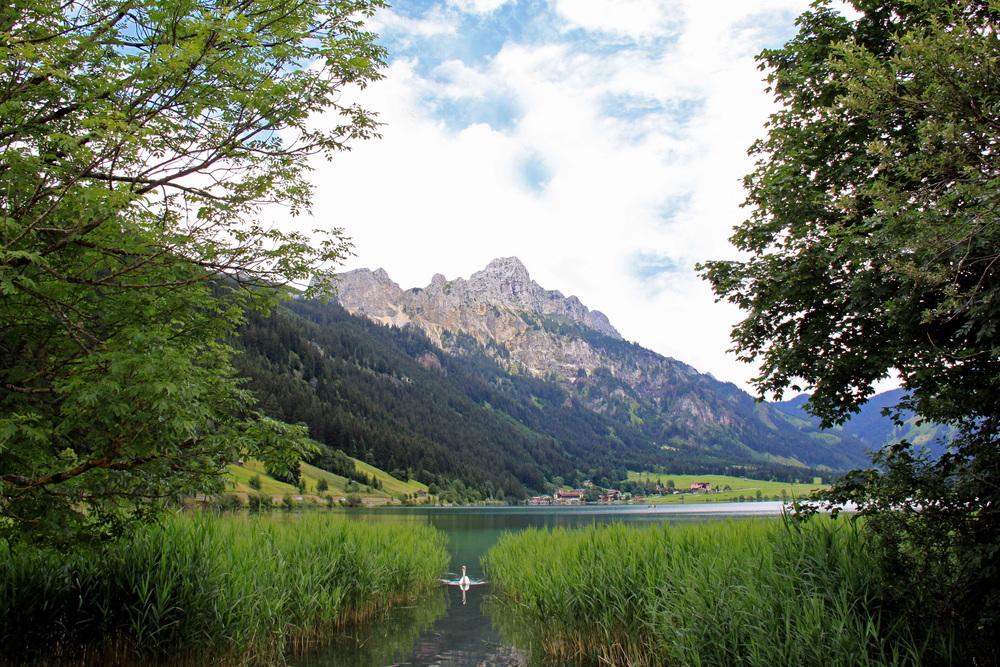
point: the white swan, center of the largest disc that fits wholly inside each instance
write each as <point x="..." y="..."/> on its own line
<point x="464" y="581"/>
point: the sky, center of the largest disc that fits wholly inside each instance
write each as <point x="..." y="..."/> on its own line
<point x="602" y="142"/>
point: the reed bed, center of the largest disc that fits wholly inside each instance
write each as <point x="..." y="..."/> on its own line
<point x="751" y="592"/>
<point x="203" y="590"/>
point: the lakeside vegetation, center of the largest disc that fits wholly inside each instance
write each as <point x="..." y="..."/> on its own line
<point x="199" y="589"/>
<point x="751" y="592"/>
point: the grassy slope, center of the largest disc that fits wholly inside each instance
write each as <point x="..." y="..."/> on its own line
<point x="394" y="488"/>
<point x="739" y="487"/>
<point x="391" y="487"/>
<point x="242" y="474"/>
<point x="390" y="484"/>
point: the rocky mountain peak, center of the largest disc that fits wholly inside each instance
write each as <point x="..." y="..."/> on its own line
<point x="506" y="281"/>
<point x="370" y="292"/>
<point x="504" y="271"/>
<point x="506" y="266"/>
<point x="499" y="305"/>
<point x="381" y="276"/>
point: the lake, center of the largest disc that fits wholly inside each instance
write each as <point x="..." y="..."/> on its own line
<point x="451" y="627"/>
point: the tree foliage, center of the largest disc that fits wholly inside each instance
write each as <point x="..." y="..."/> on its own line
<point x="874" y="244"/>
<point x="139" y="141"/>
<point x="872" y="227"/>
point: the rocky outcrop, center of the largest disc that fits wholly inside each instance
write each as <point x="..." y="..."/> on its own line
<point x="504" y="283"/>
<point x="500" y="304"/>
<point x="371" y="293"/>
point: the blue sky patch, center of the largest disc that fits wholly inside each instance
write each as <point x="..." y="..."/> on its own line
<point x="672" y="207"/>
<point x="498" y="111"/>
<point x="647" y="266"/>
<point x="671" y="117"/>
<point x="773" y="28"/>
<point x="535" y="173"/>
<point x="415" y="9"/>
<point x="626" y="106"/>
<point x="609" y="44"/>
<point x="477" y="37"/>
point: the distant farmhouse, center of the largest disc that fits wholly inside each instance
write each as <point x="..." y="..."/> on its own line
<point x="702" y="487"/>
<point x="574" y="496"/>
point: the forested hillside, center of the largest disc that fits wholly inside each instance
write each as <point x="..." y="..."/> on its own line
<point x="388" y="396"/>
<point x="692" y="415"/>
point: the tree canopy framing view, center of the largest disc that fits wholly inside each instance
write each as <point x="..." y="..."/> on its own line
<point x="139" y="141"/>
<point x="873" y="248"/>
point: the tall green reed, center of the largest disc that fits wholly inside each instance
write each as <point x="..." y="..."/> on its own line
<point x="205" y="590"/>
<point x="755" y="593"/>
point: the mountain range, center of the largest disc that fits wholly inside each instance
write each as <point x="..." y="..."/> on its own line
<point x="881" y="421"/>
<point x="500" y="385"/>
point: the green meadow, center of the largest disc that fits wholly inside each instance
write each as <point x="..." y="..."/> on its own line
<point x="737" y="486"/>
<point x="205" y="590"/>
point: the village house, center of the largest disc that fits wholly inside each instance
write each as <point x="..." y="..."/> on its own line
<point x="540" y="500"/>
<point x="574" y="496"/>
<point x="701" y="487"/>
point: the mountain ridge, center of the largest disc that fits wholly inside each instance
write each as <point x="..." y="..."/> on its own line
<point x="541" y="333"/>
<point x="881" y="421"/>
<point x="504" y="282"/>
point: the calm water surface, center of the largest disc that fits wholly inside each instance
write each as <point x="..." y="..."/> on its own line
<point x="451" y="627"/>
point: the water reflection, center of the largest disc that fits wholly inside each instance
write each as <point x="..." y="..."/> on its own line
<point x="464" y="637"/>
<point x="464" y="583"/>
<point x="384" y="641"/>
<point x="453" y="628"/>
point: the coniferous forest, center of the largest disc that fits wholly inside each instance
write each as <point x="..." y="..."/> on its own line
<point x="389" y="397"/>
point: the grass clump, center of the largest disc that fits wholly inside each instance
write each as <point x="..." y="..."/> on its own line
<point x="199" y="590"/>
<point x="754" y="593"/>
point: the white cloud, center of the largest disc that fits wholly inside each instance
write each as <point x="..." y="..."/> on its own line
<point x="619" y="157"/>
<point x="408" y="30"/>
<point x="478" y="6"/>
<point x="454" y="79"/>
<point x="633" y="18"/>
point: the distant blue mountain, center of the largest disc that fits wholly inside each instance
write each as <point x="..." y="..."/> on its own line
<point x="877" y="429"/>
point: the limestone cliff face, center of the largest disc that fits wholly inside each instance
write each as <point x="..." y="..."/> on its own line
<point x="371" y="293"/>
<point x="500" y="304"/>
